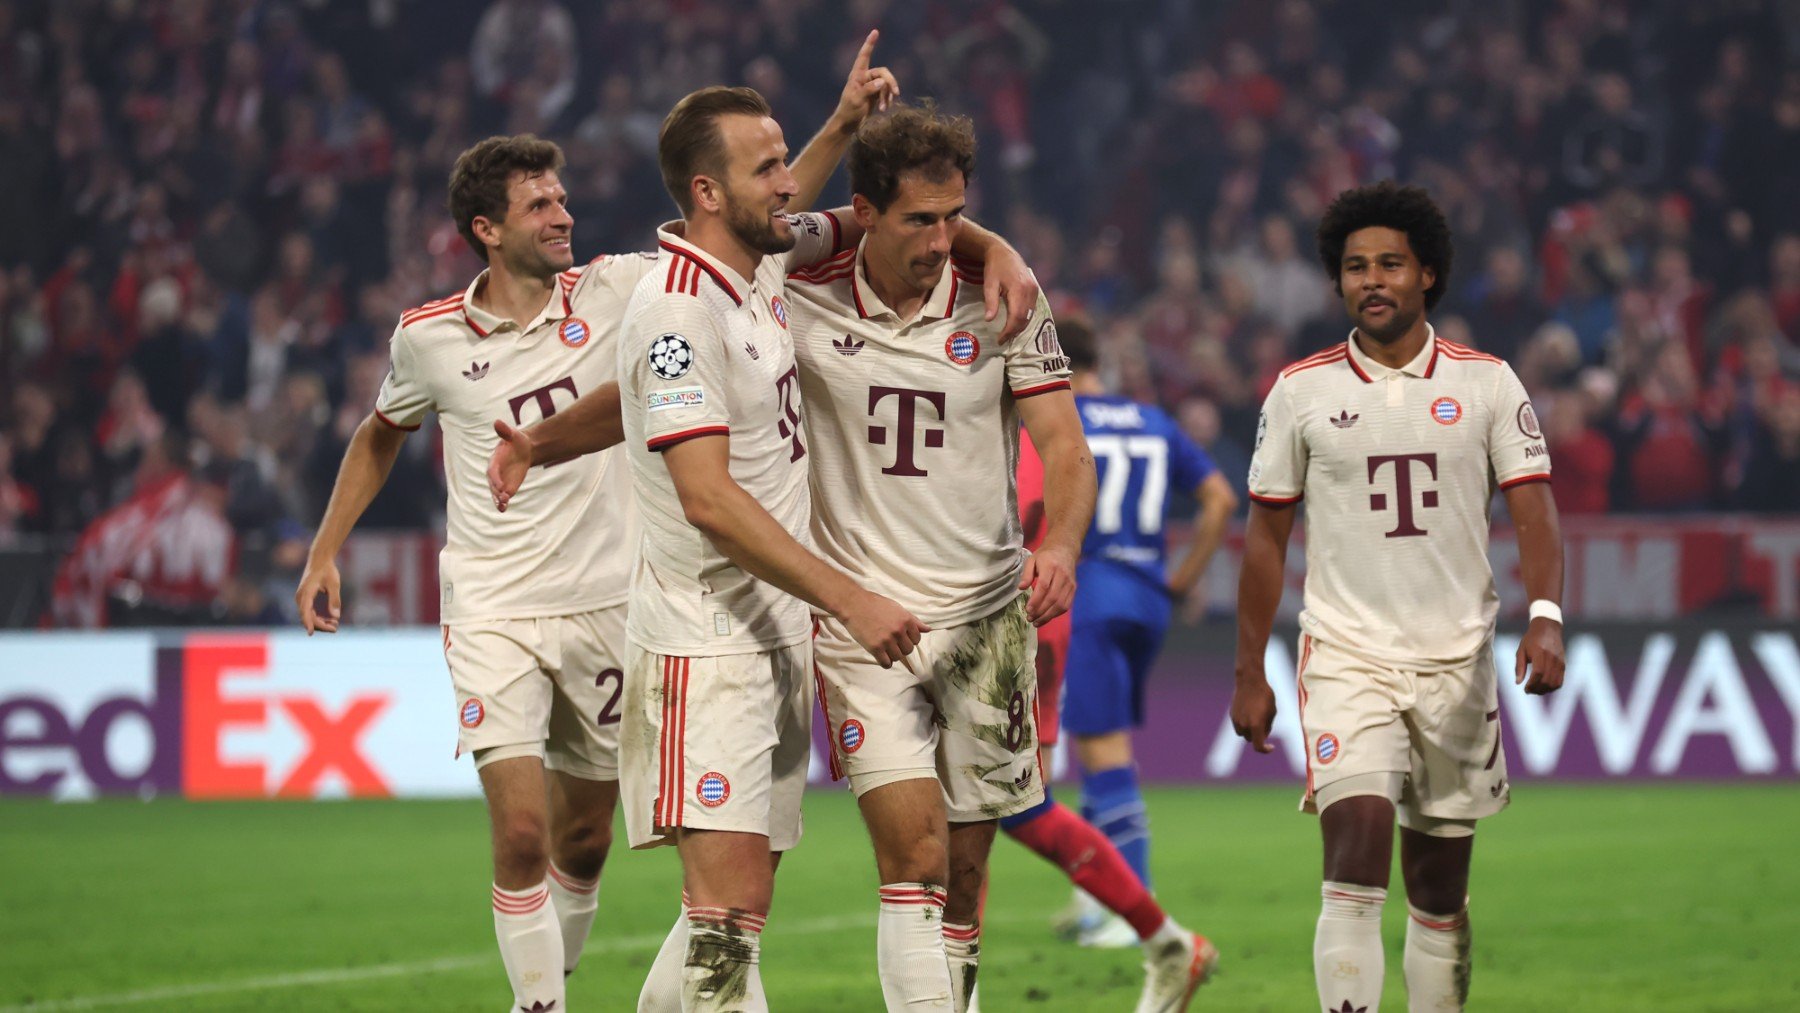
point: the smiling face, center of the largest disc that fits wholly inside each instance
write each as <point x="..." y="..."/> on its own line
<point x="1382" y="283"/>
<point x="756" y="185"/>
<point x="533" y="239"/>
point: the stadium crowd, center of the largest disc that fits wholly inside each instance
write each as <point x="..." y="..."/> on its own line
<point x="216" y="210"/>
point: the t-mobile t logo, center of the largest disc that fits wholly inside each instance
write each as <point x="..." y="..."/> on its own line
<point x="908" y="412"/>
<point x="546" y="404"/>
<point x="1403" y="490"/>
<point x="787" y="387"/>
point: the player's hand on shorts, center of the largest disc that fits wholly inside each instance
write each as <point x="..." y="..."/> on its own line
<point x="1253" y="712"/>
<point x="883" y="628"/>
<point x="867" y="91"/>
<point x="1050" y="575"/>
<point x="1539" y="663"/>
<point x="508" y="463"/>
<point x="1006" y="279"/>
<point x="321" y="577"/>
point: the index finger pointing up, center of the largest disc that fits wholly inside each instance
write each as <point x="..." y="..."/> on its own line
<point x="863" y="54"/>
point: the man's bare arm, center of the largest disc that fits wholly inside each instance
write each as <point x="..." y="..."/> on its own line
<point x="367" y="461"/>
<point x="1217" y="503"/>
<point x="868" y="90"/>
<point x="1069" y="491"/>
<point x="739" y="527"/>
<point x="1539" y="531"/>
<point x="588" y="426"/>
<point x="1260" y="583"/>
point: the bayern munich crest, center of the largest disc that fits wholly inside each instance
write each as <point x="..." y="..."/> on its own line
<point x="779" y="308"/>
<point x="712" y="789"/>
<point x="962" y="348"/>
<point x="472" y="712"/>
<point x="850" y="736"/>
<point x="1327" y="748"/>
<point x="1446" y="411"/>
<point x="574" y="332"/>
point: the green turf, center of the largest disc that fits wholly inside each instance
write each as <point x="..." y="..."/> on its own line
<point x="1586" y="898"/>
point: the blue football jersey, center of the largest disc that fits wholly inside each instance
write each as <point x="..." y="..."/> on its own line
<point x="1142" y="458"/>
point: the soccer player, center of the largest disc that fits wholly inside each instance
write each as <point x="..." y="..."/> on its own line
<point x="1122" y="609"/>
<point x="533" y="601"/>
<point x="1397" y="441"/>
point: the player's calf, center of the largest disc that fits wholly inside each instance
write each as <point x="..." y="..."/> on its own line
<point x="1356" y="817"/>
<point x="1434" y="859"/>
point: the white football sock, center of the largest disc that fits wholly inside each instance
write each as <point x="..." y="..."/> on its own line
<point x="575" y="901"/>
<point x="1347" y="958"/>
<point x="909" y="947"/>
<point x="662" y="987"/>
<point x="530" y="946"/>
<point x="1437" y="960"/>
<point x="720" y="974"/>
<point x="962" y="947"/>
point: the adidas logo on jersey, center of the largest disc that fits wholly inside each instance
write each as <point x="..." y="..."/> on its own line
<point x="1345" y="420"/>
<point x="848" y="346"/>
<point x="476" y="371"/>
<point x="754" y="354"/>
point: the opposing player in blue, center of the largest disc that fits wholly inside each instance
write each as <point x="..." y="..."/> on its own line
<point x="1124" y="597"/>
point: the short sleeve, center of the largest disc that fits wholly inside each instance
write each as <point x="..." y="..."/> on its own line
<point x="404" y="398"/>
<point x="675" y="353"/>
<point x="1278" y="464"/>
<point x="1188" y="464"/>
<point x="818" y="235"/>
<point x="1035" y="363"/>
<point x="1516" y="447"/>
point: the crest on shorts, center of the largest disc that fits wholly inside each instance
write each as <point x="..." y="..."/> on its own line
<point x="712" y="789"/>
<point x="962" y="348"/>
<point x="472" y="712"/>
<point x="850" y="736"/>
<point x="1327" y="748"/>
<point x="574" y="332"/>
<point x="778" y="307"/>
<point x="1446" y="410"/>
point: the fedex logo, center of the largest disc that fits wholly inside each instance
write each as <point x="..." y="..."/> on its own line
<point x="209" y="717"/>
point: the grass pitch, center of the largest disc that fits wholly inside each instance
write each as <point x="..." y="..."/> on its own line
<point x="1598" y="897"/>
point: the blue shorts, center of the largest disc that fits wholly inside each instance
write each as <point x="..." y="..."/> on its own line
<point x="1103" y="681"/>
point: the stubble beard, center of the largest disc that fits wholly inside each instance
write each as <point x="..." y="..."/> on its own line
<point x="756" y="230"/>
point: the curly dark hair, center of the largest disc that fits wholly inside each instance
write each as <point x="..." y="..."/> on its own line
<point x="909" y="139"/>
<point x="479" y="180"/>
<point x="1387" y="204"/>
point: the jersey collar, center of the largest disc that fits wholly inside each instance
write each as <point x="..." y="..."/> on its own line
<point x="938" y="305"/>
<point x="729" y="281"/>
<point x="484" y="323"/>
<point x="1422" y="365"/>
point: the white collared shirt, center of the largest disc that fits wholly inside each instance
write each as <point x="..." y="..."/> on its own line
<point x="1398" y="468"/>
<point x="913" y="429"/>
<point x="564" y="544"/>
<point x="705" y="351"/>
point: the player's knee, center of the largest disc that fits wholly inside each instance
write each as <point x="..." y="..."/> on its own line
<point x="521" y="843"/>
<point x="581" y="847"/>
<point x="922" y="859"/>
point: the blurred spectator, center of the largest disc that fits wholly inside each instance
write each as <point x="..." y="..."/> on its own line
<point x="1771" y="482"/>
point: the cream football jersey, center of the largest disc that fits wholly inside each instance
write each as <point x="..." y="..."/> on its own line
<point x="913" y="428"/>
<point x="564" y="544"/>
<point x="1398" y="468"/>
<point x="706" y="351"/>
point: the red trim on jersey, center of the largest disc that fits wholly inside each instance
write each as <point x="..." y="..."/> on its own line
<point x="431" y="307"/>
<point x="1042" y="388"/>
<point x="825" y="280"/>
<point x="672" y="744"/>
<point x="704" y="266"/>
<point x="1437" y="348"/>
<point x="836" y="764"/>
<point x="1457" y="351"/>
<point x="439" y="312"/>
<point x="665" y="442"/>
<point x="1300" y="688"/>
<point x="1351" y="359"/>
<point x="1275" y="500"/>
<point x="1326" y="357"/>
<point x="837" y="232"/>
<point x="826" y="270"/>
<point x="1525" y="480"/>
<point x="856" y="295"/>
<point x="405" y="429"/>
<point x="473" y="326"/>
<point x="950" y="305"/>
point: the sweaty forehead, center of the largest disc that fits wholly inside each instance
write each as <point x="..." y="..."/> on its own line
<point x="928" y="190"/>
<point x="523" y="188"/>
<point x="1375" y="241"/>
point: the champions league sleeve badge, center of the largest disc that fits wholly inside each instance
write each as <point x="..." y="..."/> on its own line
<point x="671" y="356"/>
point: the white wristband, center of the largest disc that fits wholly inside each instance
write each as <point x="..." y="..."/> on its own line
<point x="1544" y="608"/>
